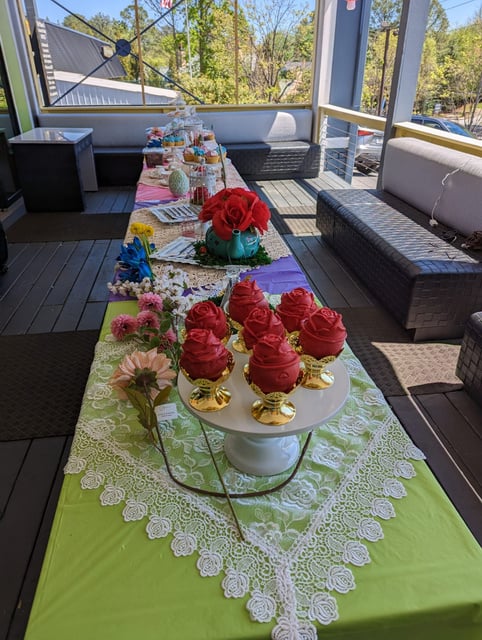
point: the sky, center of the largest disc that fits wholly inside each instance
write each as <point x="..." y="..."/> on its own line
<point x="458" y="11"/>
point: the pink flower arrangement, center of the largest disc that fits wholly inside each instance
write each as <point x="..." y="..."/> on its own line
<point x="152" y="327"/>
<point x="123" y="325"/>
<point x="150" y="302"/>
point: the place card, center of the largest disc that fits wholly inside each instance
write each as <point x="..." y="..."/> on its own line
<point x="167" y="411"/>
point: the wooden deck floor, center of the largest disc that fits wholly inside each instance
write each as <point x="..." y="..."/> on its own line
<point x="31" y="470"/>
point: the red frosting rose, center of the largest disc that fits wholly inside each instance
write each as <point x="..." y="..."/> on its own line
<point x="274" y="365"/>
<point x="245" y="296"/>
<point x="323" y="333"/>
<point x="259" y="322"/>
<point x="235" y="209"/>
<point x="207" y="315"/>
<point x="295" y="306"/>
<point x="203" y="355"/>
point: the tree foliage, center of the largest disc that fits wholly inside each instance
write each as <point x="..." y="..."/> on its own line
<point x="194" y="45"/>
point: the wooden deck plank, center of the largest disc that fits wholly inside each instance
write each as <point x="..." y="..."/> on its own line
<point x="342" y="277"/>
<point x="18" y="268"/>
<point x="321" y="284"/>
<point x="92" y="316"/>
<point x="456" y="433"/>
<point x="21" y="614"/>
<point x="69" y="273"/>
<point x="12" y="455"/>
<point x="440" y="461"/>
<point x="79" y="294"/>
<point x="21" y="521"/>
<point x="26" y="312"/>
<point x="468" y="408"/>
<point x="24" y="284"/>
<point x="45" y="319"/>
<point x="99" y="291"/>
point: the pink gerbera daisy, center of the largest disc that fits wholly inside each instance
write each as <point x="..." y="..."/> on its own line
<point x="150" y="302"/>
<point x="123" y="325"/>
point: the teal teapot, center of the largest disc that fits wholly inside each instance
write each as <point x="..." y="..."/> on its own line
<point x="243" y="244"/>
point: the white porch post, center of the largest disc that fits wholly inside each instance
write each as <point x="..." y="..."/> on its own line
<point x="411" y="36"/>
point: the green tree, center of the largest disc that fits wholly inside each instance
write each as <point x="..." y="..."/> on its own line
<point x="462" y="71"/>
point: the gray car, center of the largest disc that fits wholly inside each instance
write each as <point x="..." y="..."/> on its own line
<point x="370" y="142"/>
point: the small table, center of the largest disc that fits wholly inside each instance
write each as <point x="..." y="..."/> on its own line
<point x="55" y="167"/>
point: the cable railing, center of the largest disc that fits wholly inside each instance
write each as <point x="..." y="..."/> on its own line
<point x="351" y="140"/>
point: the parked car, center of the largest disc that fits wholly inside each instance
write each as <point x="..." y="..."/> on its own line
<point x="370" y="142"/>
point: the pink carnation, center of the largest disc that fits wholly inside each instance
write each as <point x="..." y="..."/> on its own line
<point x="123" y="325"/>
<point x="148" y="319"/>
<point x="150" y="302"/>
<point x="169" y="337"/>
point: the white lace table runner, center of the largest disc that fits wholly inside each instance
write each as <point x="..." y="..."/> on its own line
<point x="299" y="542"/>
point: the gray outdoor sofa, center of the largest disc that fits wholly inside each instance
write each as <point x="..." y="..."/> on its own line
<point x="262" y="144"/>
<point x="421" y="273"/>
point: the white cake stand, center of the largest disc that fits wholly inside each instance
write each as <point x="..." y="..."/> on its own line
<point x="259" y="449"/>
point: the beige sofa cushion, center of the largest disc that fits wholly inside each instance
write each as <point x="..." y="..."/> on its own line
<point x="129" y="129"/>
<point x="413" y="170"/>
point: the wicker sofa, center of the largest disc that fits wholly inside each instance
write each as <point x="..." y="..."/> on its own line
<point x="421" y="273"/>
<point x="266" y="144"/>
<point x="469" y="364"/>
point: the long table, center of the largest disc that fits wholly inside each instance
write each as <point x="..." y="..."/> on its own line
<point x="362" y="543"/>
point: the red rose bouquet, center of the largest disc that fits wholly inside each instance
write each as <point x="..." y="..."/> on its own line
<point x="236" y="208"/>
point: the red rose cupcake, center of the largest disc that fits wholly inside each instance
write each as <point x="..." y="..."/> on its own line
<point x="274" y="365"/>
<point x="207" y="315"/>
<point x="203" y="355"/>
<point x="322" y="333"/>
<point x="259" y="322"/>
<point x="245" y="296"/>
<point x="295" y="306"/>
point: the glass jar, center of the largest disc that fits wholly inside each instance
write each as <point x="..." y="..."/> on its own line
<point x="202" y="183"/>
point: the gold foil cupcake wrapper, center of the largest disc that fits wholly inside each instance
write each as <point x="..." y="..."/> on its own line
<point x="272" y="409"/>
<point x="210" y="395"/>
<point x="317" y="376"/>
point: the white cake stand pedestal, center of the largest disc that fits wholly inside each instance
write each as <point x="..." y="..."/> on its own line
<point x="264" y="450"/>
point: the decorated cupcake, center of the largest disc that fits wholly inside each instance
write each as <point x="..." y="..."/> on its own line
<point x="212" y="156"/>
<point x="206" y="315"/>
<point x="188" y="154"/>
<point x="168" y="141"/>
<point x="208" y="134"/>
<point x="274" y="365"/>
<point x="199" y="153"/>
<point x="295" y="306"/>
<point x="322" y="333"/>
<point x="259" y="322"/>
<point x="203" y="355"/>
<point x="245" y="296"/>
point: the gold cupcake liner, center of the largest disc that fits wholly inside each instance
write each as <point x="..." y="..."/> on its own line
<point x="272" y="409"/>
<point x="210" y="395"/>
<point x="317" y="376"/>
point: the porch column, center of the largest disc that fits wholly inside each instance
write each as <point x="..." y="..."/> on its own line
<point x="411" y="36"/>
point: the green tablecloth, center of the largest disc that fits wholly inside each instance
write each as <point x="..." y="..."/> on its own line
<point x="103" y="578"/>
